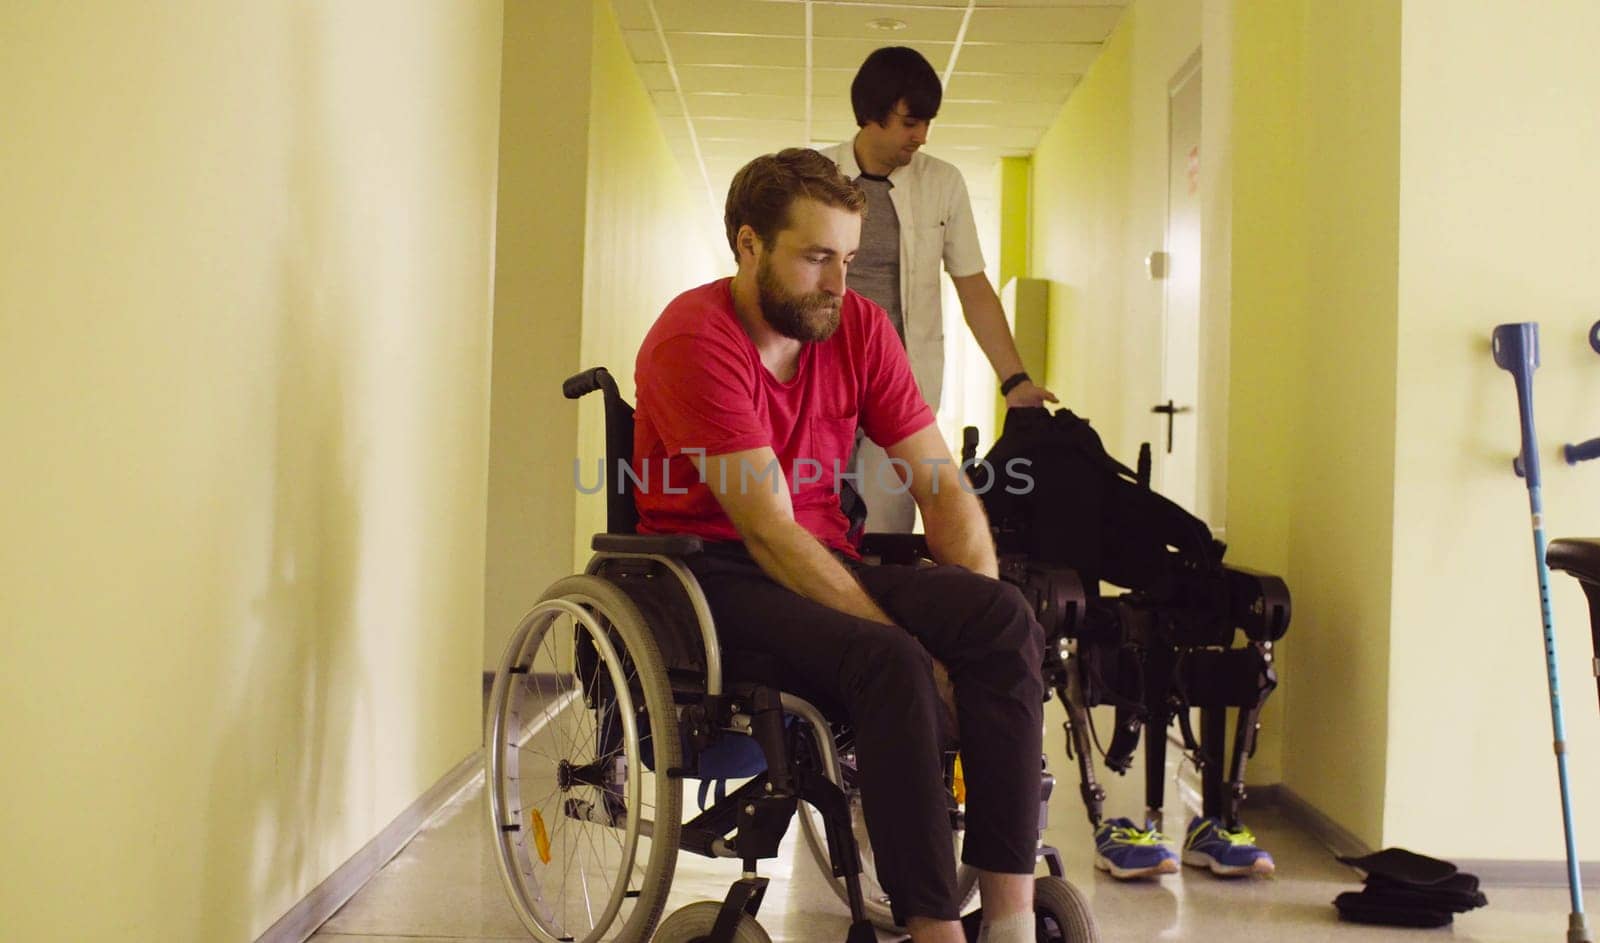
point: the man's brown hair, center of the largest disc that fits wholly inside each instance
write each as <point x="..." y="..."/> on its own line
<point x="763" y="190"/>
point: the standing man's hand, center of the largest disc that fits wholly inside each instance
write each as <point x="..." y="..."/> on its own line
<point x="1028" y="393"/>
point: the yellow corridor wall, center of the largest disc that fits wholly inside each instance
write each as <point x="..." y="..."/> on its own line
<point x="1497" y="198"/>
<point x="244" y="339"/>
<point x="648" y="236"/>
<point x="598" y="230"/>
<point x="1336" y="434"/>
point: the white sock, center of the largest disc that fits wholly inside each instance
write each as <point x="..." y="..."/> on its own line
<point x="1017" y="928"/>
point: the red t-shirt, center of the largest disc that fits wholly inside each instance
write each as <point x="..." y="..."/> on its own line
<point x="701" y="385"/>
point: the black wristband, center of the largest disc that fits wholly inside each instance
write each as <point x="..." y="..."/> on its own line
<point x="1013" y="381"/>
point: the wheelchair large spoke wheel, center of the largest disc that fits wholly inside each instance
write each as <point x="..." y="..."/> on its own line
<point x="1063" y="913"/>
<point x="580" y="734"/>
<point x="873" y="897"/>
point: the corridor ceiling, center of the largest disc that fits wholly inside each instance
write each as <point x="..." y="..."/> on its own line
<point x="732" y="79"/>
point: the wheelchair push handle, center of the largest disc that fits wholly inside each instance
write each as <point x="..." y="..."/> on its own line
<point x="582" y="384"/>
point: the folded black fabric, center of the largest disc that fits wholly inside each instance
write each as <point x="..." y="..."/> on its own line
<point x="1358" y="907"/>
<point x="1458" y="893"/>
<point x="1401" y="865"/>
<point x="1405" y="889"/>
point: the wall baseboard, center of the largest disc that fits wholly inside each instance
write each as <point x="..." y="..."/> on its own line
<point x="1333" y="836"/>
<point x="326" y="898"/>
<point x="1518" y="873"/>
<point x="1491" y="871"/>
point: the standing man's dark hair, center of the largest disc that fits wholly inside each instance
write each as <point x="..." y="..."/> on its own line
<point x="891" y="75"/>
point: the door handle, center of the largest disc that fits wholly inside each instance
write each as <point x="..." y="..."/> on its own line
<point x="1170" y="410"/>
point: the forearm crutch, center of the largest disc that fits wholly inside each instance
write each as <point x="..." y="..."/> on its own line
<point x="1516" y="349"/>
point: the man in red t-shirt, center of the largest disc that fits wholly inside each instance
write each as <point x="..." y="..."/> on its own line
<point x="750" y="390"/>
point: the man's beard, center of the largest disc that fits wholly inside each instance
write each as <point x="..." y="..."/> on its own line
<point x="809" y="317"/>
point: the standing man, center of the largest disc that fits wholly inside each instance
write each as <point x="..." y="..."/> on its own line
<point x="918" y="215"/>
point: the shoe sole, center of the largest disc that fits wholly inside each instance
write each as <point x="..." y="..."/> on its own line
<point x="1261" y="867"/>
<point x="1167" y="866"/>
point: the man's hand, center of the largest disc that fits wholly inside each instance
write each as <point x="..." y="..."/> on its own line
<point x="754" y="492"/>
<point x="958" y="532"/>
<point x="1027" y="394"/>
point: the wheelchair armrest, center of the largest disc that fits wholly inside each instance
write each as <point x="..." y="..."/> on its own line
<point x="895" y="548"/>
<point x="671" y="545"/>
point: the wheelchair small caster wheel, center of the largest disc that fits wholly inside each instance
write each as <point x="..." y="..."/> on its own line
<point x="1062" y="913"/>
<point x="692" y="924"/>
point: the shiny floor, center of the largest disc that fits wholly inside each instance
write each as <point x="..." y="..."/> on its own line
<point x="444" y="885"/>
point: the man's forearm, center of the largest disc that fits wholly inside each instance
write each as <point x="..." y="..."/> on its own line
<point x="958" y="532"/>
<point x="796" y="560"/>
<point x="981" y="309"/>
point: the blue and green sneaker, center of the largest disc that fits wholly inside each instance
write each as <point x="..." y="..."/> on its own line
<point x="1227" y="852"/>
<point x="1130" y="852"/>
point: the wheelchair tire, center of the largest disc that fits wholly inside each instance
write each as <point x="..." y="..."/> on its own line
<point x="585" y="835"/>
<point x="692" y="924"/>
<point x="1063" y="911"/>
<point x="873" y="896"/>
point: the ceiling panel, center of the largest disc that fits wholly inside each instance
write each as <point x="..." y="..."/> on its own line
<point x="644" y="45"/>
<point x="847" y="54"/>
<point x="1027" y="58"/>
<point x="655" y="75"/>
<point x="732" y="16"/>
<point x="1051" y="3"/>
<point x="748" y="106"/>
<point x="832" y="132"/>
<point x="907" y="4"/>
<point x="703" y="48"/>
<point x="730" y="156"/>
<point x="972" y="86"/>
<point x="667" y="103"/>
<point x="632" y="14"/>
<point x="774" y="128"/>
<point x="831" y="107"/>
<point x="853" y="21"/>
<point x="1062" y="25"/>
<point x="738" y="79"/>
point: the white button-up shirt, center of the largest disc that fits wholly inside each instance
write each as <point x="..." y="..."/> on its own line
<point x="936" y="225"/>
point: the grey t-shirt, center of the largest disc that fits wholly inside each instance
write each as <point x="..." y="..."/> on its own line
<point x="875" y="271"/>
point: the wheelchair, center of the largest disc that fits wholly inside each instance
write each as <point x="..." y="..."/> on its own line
<point x="613" y="692"/>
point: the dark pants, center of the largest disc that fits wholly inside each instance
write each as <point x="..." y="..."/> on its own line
<point x="986" y="636"/>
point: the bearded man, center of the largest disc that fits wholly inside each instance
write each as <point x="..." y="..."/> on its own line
<point x="752" y="388"/>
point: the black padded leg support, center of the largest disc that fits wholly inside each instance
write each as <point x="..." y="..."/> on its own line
<point x="1079" y="746"/>
<point x="1213" y="733"/>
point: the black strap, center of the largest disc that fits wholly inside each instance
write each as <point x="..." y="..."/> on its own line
<point x="1013" y="381"/>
